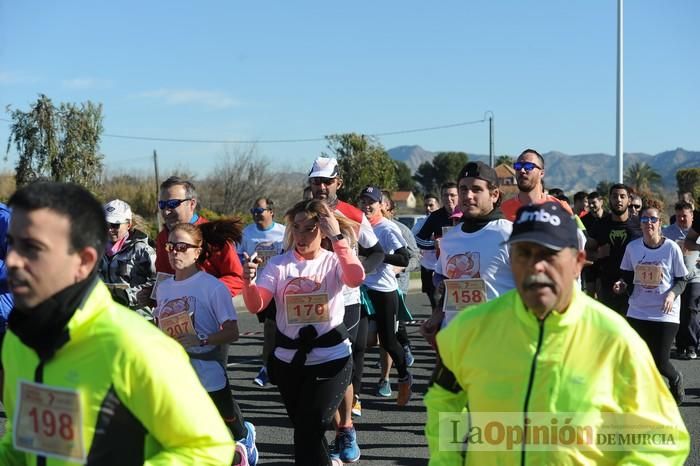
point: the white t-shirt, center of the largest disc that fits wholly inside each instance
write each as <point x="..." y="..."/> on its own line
<point x="390" y="238"/>
<point x="267" y="243"/>
<point x="290" y="274"/>
<point x="655" y="270"/>
<point x="481" y="254"/>
<point x="209" y="304"/>
<point x="428" y="258"/>
<point x="365" y="238"/>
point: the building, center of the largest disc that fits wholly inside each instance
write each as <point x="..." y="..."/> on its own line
<point x="404" y="200"/>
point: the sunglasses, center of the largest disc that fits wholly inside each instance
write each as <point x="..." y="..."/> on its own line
<point x="114" y="226"/>
<point x="179" y="247"/>
<point x="258" y="210"/>
<point x="647" y="219"/>
<point x="320" y="181"/>
<point x="528" y="166"/>
<point x="636" y="206"/>
<point x="171" y="203"/>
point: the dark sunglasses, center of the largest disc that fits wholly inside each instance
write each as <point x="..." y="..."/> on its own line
<point x="179" y="247"/>
<point x="635" y="206"/>
<point x="258" y="210"/>
<point x="647" y="219"/>
<point x="320" y="181"/>
<point x="171" y="203"/>
<point x="114" y="226"/>
<point x="528" y="166"/>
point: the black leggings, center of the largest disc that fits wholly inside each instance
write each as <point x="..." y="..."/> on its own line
<point x="230" y="411"/>
<point x="312" y="396"/>
<point x="658" y="337"/>
<point x="402" y="335"/>
<point x="356" y="323"/>
<point x="386" y="305"/>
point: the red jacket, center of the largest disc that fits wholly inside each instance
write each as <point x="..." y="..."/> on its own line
<point x="222" y="263"/>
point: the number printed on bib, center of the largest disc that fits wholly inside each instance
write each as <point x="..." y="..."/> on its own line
<point x="461" y="293"/>
<point x="310" y="308"/>
<point x="177" y="326"/>
<point x="48" y="422"/>
<point x="647" y="275"/>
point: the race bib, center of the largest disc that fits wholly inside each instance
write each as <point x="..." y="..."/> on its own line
<point x="265" y="255"/>
<point x="48" y="422"/>
<point x="462" y="293"/>
<point x="178" y="326"/>
<point x="647" y="275"/>
<point x="309" y="308"/>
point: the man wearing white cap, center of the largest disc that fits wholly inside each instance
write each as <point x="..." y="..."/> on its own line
<point x="128" y="264"/>
<point x="325" y="180"/>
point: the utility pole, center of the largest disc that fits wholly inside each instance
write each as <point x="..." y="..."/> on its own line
<point x="620" y="110"/>
<point x="155" y="168"/>
<point x="492" y="154"/>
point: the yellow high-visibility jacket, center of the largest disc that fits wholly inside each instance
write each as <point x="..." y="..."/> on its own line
<point x="140" y="400"/>
<point x="586" y="362"/>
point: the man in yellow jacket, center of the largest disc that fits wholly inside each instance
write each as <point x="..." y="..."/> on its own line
<point x="87" y="381"/>
<point x="547" y="374"/>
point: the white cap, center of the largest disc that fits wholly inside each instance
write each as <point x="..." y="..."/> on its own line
<point x="324" y="167"/>
<point x="117" y="211"/>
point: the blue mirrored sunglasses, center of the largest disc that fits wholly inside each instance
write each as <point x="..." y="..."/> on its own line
<point x="258" y="210"/>
<point x="647" y="219"/>
<point x="528" y="166"/>
<point x="171" y="203"/>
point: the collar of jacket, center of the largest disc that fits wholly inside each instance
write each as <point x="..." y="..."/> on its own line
<point x="45" y="328"/>
<point x="555" y="319"/>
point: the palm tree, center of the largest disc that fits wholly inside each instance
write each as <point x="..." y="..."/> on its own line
<point x="507" y="159"/>
<point x="642" y="177"/>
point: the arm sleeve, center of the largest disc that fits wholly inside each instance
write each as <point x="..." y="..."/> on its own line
<point x="353" y="274"/>
<point x="373" y="257"/>
<point x="424" y="237"/>
<point x="162" y="390"/>
<point x="256" y="298"/>
<point x="399" y="258"/>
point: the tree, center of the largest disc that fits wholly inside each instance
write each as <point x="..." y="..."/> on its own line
<point x="507" y="159"/>
<point x="60" y="143"/>
<point x="444" y="167"/>
<point x="362" y="161"/>
<point x="603" y="188"/>
<point x="688" y="180"/>
<point x="642" y="177"/>
<point x="404" y="179"/>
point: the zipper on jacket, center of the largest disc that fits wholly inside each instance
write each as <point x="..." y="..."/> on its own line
<point x="529" y="389"/>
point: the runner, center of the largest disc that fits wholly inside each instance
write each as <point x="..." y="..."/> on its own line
<point x="607" y="242"/>
<point x="427" y="256"/>
<point x="325" y="181"/>
<point x="128" y="264"/>
<point x="529" y="174"/>
<point x="473" y="256"/>
<point x="382" y="290"/>
<point x="177" y="204"/>
<point x="264" y="237"/>
<point x="123" y="393"/>
<point x="196" y="309"/>
<point x="688" y="337"/>
<point x="653" y="275"/>
<point x="542" y="356"/>
<point x="311" y="363"/>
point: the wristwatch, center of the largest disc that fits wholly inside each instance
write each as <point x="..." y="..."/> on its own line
<point x="337" y="237"/>
<point x="203" y="340"/>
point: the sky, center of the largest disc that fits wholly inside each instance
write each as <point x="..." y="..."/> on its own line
<point x="280" y="70"/>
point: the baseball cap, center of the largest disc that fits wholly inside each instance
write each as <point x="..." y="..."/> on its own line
<point x="324" y="167"/>
<point x="117" y="211"/>
<point x="372" y="192"/>
<point x="479" y="170"/>
<point x="547" y="224"/>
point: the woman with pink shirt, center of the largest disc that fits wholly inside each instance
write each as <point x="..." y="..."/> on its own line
<point x="311" y="363"/>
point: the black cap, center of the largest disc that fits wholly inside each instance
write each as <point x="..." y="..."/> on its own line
<point x="479" y="170"/>
<point x="372" y="192"/>
<point x="547" y="224"/>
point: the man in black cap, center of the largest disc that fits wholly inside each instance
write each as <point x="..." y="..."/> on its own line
<point x="474" y="265"/>
<point x="546" y="355"/>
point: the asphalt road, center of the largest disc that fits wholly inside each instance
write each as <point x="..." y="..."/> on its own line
<point x="387" y="434"/>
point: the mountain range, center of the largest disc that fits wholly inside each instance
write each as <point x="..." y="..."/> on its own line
<point x="580" y="172"/>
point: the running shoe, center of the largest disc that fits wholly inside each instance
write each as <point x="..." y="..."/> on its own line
<point x="692" y="354"/>
<point x="249" y="443"/>
<point x="346" y="445"/>
<point x="262" y="378"/>
<point x="384" y="388"/>
<point x="408" y="356"/>
<point x="240" y="455"/>
<point x="405" y="391"/>
<point x="357" y="407"/>
<point x="677" y="389"/>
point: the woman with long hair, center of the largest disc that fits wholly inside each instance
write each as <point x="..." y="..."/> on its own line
<point x="654" y="275"/>
<point x="311" y="363"/>
<point x="196" y="309"/>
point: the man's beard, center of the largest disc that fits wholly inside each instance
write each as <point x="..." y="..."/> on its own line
<point x="526" y="188"/>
